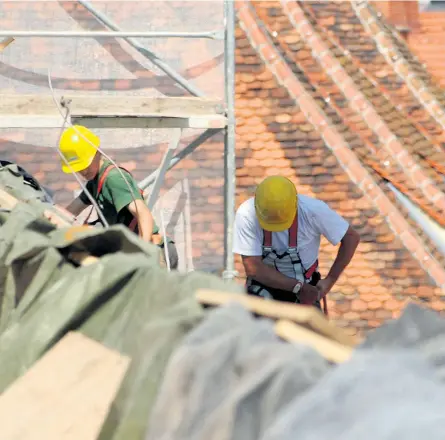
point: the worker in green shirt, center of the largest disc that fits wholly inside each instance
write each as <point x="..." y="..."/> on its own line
<point x="119" y="198"/>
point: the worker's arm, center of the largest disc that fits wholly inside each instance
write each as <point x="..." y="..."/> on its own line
<point x="345" y="253"/>
<point x="270" y="277"/>
<point x="247" y="240"/>
<point x="256" y="269"/>
<point x="124" y="193"/>
<point x="76" y="206"/>
<point x="144" y="217"/>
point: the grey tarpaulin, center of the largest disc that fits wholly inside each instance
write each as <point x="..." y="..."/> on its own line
<point x="376" y="396"/>
<point x="230" y="378"/>
<point x="124" y="300"/>
<point x="418" y="328"/>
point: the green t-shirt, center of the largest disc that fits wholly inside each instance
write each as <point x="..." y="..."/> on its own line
<point x="115" y="195"/>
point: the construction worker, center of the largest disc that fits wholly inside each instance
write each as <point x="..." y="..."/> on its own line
<point x="119" y="198"/>
<point x="277" y="233"/>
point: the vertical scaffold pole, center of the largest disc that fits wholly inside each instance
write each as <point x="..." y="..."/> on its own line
<point x="229" y="139"/>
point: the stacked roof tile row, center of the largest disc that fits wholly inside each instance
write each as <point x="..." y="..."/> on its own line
<point x="327" y="95"/>
<point x="345" y="124"/>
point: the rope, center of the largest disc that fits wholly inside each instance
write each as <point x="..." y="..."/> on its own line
<point x="82" y="185"/>
<point x="167" y="258"/>
<point x="90" y="197"/>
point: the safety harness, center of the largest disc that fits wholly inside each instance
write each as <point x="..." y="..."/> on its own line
<point x="288" y="263"/>
<point x="133" y="224"/>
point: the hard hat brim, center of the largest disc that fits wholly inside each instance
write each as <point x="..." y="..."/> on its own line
<point x="76" y="166"/>
<point x="276" y="227"/>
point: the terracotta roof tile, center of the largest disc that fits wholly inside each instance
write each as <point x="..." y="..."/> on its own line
<point x="368" y="143"/>
<point x="317" y="172"/>
<point x="274" y="136"/>
<point x="366" y="53"/>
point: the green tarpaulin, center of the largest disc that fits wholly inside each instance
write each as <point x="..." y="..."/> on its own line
<point x="125" y="300"/>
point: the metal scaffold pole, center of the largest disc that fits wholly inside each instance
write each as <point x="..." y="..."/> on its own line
<point x="213" y="35"/>
<point x="229" y="153"/>
<point x="142" y="50"/>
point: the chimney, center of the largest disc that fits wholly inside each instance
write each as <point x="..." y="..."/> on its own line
<point x="404" y="15"/>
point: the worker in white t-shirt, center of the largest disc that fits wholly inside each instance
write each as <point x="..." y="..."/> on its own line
<point x="278" y="234"/>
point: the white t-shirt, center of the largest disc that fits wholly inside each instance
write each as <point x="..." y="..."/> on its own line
<point x="315" y="218"/>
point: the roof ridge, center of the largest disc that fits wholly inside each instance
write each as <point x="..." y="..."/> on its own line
<point x="361" y="105"/>
<point x="335" y="141"/>
<point x="306" y="6"/>
<point x="289" y="42"/>
<point x="387" y="41"/>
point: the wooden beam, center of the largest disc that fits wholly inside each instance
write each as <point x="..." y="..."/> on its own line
<point x="58" y="216"/>
<point x="110" y="106"/>
<point x="112" y="111"/>
<point x="331" y="350"/>
<point x="66" y="395"/>
<point x="304" y="315"/>
<point x="93" y="122"/>
<point x="5" y="43"/>
<point x="200" y="121"/>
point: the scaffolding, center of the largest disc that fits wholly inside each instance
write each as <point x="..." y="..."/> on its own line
<point x="175" y="113"/>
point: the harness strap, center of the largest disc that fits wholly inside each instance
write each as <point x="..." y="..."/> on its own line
<point x="311" y="270"/>
<point x="267" y="238"/>
<point x="134" y="222"/>
<point x="293" y="242"/>
<point x="293" y="235"/>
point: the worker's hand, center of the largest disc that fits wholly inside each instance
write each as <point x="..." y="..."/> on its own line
<point x="308" y="294"/>
<point x="324" y="286"/>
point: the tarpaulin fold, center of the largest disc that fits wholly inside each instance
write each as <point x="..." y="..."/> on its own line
<point x="22" y="185"/>
<point x="124" y="300"/>
<point x="230" y="378"/>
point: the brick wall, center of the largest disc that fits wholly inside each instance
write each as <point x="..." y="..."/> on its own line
<point x="401" y="13"/>
<point x="111" y="66"/>
<point x="428" y="43"/>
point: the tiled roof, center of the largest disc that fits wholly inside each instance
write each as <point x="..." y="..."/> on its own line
<point x="326" y="94"/>
<point x="314" y="105"/>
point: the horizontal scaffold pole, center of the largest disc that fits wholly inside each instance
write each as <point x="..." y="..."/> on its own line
<point x="213" y="35"/>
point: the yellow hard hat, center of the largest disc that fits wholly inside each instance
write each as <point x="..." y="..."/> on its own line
<point x="78" y="146"/>
<point x="276" y="203"/>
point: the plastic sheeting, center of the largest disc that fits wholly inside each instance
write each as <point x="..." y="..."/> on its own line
<point x="375" y="396"/>
<point x="231" y="379"/>
<point x="123" y="300"/>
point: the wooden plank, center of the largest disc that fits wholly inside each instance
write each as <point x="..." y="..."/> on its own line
<point x="331" y="350"/>
<point x="304" y="315"/>
<point x="7" y="201"/>
<point x="66" y="395"/>
<point x="5" y="43"/>
<point x="102" y="105"/>
<point x="58" y="216"/>
<point x="203" y="122"/>
<point x="83" y="258"/>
